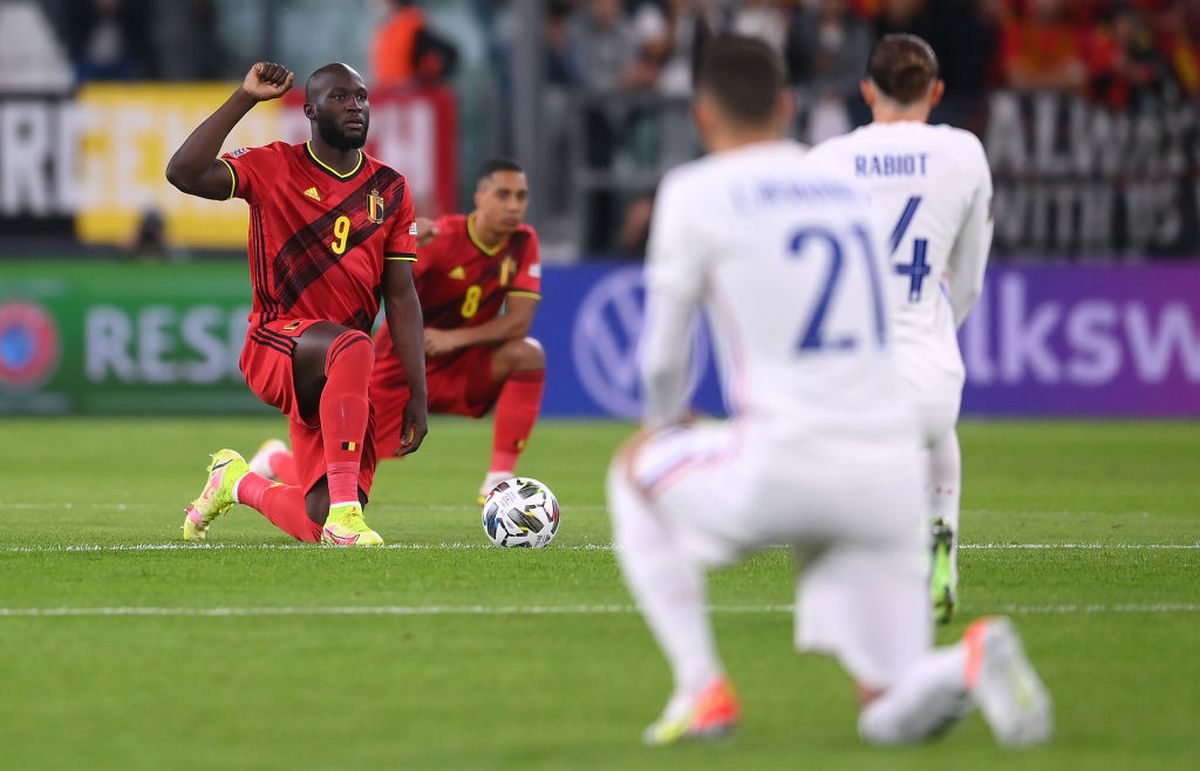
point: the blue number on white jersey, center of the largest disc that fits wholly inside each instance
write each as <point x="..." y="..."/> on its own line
<point x="919" y="268"/>
<point x="814" y="337"/>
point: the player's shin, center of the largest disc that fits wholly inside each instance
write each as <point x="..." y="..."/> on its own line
<point x="282" y="505"/>
<point x="929" y="697"/>
<point x="945" y="476"/>
<point x="517" y="409"/>
<point x="945" y="472"/>
<point x="344" y="412"/>
<point x="669" y="589"/>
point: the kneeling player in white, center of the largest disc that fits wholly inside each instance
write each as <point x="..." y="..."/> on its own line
<point x="823" y="452"/>
<point x="931" y="194"/>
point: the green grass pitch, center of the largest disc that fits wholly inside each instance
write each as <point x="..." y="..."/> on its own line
<point x="458" y="673"/>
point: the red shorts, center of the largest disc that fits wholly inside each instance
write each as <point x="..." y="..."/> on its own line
<point x="266" y="363"/>
<point x="458" y="384"/>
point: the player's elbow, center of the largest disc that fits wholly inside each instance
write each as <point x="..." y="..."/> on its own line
<point x="177" y="177"/>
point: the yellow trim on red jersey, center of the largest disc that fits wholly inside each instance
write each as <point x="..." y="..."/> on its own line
<point x="523" y="293"/>
<point x="233" y="175"/>
<point x="308" y="149"/>
<point x="401" y="256"/>
<point x="490" y="251"/>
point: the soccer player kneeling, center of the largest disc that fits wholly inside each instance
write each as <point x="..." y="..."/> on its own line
<point x="823" y="451"/>
<point x="478" y="278"/>
<point x="330" y="230"/>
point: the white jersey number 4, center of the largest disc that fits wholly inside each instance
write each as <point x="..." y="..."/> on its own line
<point x="919" y="269"/>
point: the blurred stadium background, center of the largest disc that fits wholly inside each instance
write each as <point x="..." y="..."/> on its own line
<point x="117" y="294"/>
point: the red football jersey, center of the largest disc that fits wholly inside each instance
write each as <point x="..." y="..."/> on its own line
<point x="318" y="238"/>
<point x="463" y="283"/>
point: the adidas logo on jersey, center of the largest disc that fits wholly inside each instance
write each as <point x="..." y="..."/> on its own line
<point x="458" y="273"/>
<point x="313" y="194"/>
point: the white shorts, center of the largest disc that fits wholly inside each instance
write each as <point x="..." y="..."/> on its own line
<point x="935" y="385"/>
<point x="853" y="509"/>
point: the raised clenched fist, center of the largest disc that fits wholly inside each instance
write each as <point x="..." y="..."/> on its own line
<point x="267" y="80"/>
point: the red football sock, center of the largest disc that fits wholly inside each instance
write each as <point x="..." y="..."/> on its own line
<point x="282" y="504"/>
<point x="344" y="412"/>
<point x="283" y="466"/>
<point x="516" y="411"/>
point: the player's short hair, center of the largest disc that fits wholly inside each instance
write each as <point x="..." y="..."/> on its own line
<point x="492" y="165"/>
<point x="903" y="66"/>
<point x="743" y="75"/>
<point x="333" y="68"/>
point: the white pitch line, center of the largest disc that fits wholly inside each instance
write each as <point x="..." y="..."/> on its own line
<point x="515" y="610"/>
<point x="68" y="506"/>
<point x="144" y="547"/>
<point x="1034" y="546"/>
<point x="459" y="546"/>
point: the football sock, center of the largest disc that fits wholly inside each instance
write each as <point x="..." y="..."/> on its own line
<point x="945" y="477"/>
<point x="927" y="699"/>
<point x="516" y="411"/>
<point x="283" y="505"/>
<point x="344" y="411"/>
<point x="669" y="589"/>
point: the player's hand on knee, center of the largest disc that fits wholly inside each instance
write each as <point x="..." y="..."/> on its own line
<point x="414" y="428"/>
<point x="268" y="80"/>
<point x="439" y="342"/>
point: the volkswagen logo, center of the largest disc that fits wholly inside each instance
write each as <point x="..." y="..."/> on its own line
<point x="604" y="343"/>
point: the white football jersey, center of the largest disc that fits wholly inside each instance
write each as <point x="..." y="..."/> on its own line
<point x="780" y="253"/>
<point x="931" y="197"/>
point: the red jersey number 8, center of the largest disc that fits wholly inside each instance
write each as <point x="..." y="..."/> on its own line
<point x="470" y="304"/>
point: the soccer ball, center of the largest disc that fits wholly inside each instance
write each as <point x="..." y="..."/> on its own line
<point x="521" y="512"/>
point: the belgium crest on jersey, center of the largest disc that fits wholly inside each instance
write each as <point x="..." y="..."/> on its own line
<point x="508" y="266"/>
<point x="375" y="207"/>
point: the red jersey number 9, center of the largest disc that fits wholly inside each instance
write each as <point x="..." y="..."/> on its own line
<point x="341" y="231"/>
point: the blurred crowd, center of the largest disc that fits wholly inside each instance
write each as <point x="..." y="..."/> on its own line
<point x="617" y="73"/>
<point x="1123" y="54"/>
<point x="1117" y="52"/>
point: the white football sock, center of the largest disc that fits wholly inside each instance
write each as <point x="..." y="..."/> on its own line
<point x="669" y="588"/>
<point x="945" y="477"/>
<point x="926" y="700"/>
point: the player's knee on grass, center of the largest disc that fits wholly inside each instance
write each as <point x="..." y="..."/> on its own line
<point x="518" y="356"/>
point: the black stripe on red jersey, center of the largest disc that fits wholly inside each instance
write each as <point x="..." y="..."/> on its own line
<point x="360" y="320"/>
<point x="278" y="337"/>
<point x="269" y="343"/>
<point x="258" y="263"/>
<point x="305" y="257"/>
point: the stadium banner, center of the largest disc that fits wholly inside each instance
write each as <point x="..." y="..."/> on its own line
<point x="100" y="157"/>
<point x="1067" y="340"/>
<point x="1073" y="177"/>
<point x="154" y="339"/>
<point x="123" y="339"/>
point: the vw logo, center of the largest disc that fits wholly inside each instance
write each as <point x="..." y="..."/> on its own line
<point x="29" y="345"/>
<point x="604" y="343"/>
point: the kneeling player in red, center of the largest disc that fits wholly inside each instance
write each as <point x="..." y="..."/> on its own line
<point x="330" y="229"/>
<point x="479" y="282"/>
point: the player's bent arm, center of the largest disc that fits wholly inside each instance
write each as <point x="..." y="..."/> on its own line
<point x="405" y="325"/>
<point x="968" y="259"/>
<point x="664" y="358"/>
<point x="513" y="324"/>
<point x="194" y="168"/>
